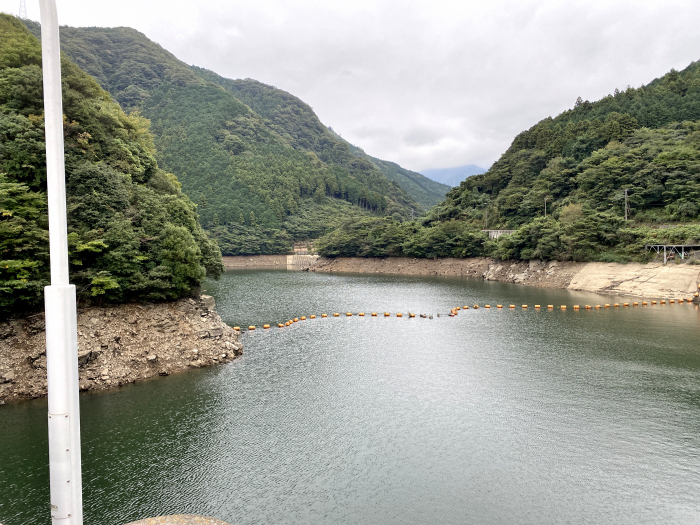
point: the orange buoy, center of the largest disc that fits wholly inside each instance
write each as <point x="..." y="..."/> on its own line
<point x="465" y="308"/>
<point x="671" y="301"/>
<point x="237" y="328"/>
<point x="607" y="305"/>
<point x="537" y="306"/>
<point x="597" y="307"/>
<point x="577" y="307"/>
<point x="374" y="314"/>
<point x="625" y="304"/>
<point x="524" y="306"/>
<point x="644" y="303"/>
<point x="296" y="319"/>
<point x="266" y="326"/>
<point x="386" y="314"/>
<point x="662" y="302"/>
<point x="348" y="314"/>
<point x="550" y="306"/>
<point x="680" y="301"/>
<point x="324" y="315"/>
<point x="511" y="306"/>
<point x="399" y="314"/>
<point x="411" y="315"/>
<point x="616" y="305"/>
<point x="303" y="318"/>
<point x="499" y="306"/>
<point x="476" y="307"/>
<point x="251" y="327"/>
<point x="287" y="323"/>
<point x="456" y="308"/>
<point x="487" y="306"/>
<point x="336" y="314"/>
<point x="361" y="314"/>
<point x="653" y="302"/>
<point x="280" y="325"/>
<point x="563" y="307"/>
<point x="588" y="307"/>
<point x="312" y="317"/>
<point x="635" y="304"/>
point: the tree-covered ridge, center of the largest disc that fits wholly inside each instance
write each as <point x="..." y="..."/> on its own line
<point x="245" y="171"/>
<point x="297" y="123"/>
<point x="124" y="61"/>
<point x="132" y="233"/>
<point x="634" y="154"/>
<point x="532" y="168"/>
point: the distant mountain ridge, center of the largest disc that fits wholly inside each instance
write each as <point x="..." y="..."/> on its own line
<point x="453" y="176"/>
<point x="294" y="120"/>
<point x="262" y="168"/>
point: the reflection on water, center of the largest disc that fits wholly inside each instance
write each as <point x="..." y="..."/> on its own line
<point x="489" y="417"/>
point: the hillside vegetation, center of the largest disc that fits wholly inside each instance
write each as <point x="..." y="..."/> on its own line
<point x="298" y="124"/>
<point x="256" y="160"/>
<point x="132" y="233"/>
<point x="644" y="142"/>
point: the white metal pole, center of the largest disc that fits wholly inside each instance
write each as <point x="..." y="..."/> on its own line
<point x="60" y="303"/>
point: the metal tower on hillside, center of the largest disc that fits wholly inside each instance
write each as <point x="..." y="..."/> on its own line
<point x="22" y="10"/>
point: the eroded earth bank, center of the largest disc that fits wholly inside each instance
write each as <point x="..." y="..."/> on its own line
<point x="643" y="280"/>
<point x="118" y="345"/>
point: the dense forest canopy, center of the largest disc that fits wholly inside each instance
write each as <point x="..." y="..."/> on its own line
<point x="132" y="233"/>
<point x="633" y="154"/>
<point x="255" y="159"/>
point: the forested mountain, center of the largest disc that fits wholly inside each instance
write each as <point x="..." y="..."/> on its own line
<point x="453" y="176"/>
<point x="256" y="160"/>
<point x="132" y="233"/>
<point x="298" y="124"/>
<point x="634" y="153"/>
<point x="641" y="140"/>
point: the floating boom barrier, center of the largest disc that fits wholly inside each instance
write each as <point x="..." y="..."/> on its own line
<point x="499" y="307"/>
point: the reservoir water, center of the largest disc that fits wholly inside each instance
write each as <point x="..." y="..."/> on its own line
<point x="490" y="417"/>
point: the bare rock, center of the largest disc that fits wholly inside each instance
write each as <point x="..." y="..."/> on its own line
<point x="118" y="345"/>
<point x="207" y="301"/>
<point x="6" y="330"/>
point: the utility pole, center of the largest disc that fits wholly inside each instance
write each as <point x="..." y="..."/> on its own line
<point x="411" y="213"/>
<point x="65" y="477"/>
<point x="626" y="206"/>
<point x="545" y="207"/>
<point x="22" y="10"/>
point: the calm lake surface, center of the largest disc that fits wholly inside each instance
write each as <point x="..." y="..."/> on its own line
<point x="491" y="417"/>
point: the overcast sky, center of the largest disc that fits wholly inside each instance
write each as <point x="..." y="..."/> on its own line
<point x="427" y="84"/>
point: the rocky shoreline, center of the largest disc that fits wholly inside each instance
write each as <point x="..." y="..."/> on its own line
<point x="635" y="279"/>
<point x="118" y="345"/>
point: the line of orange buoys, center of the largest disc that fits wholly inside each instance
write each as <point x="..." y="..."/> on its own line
<point x="454" y="311"/>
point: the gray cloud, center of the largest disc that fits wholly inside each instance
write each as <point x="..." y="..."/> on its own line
<point x="425" y="83"/>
